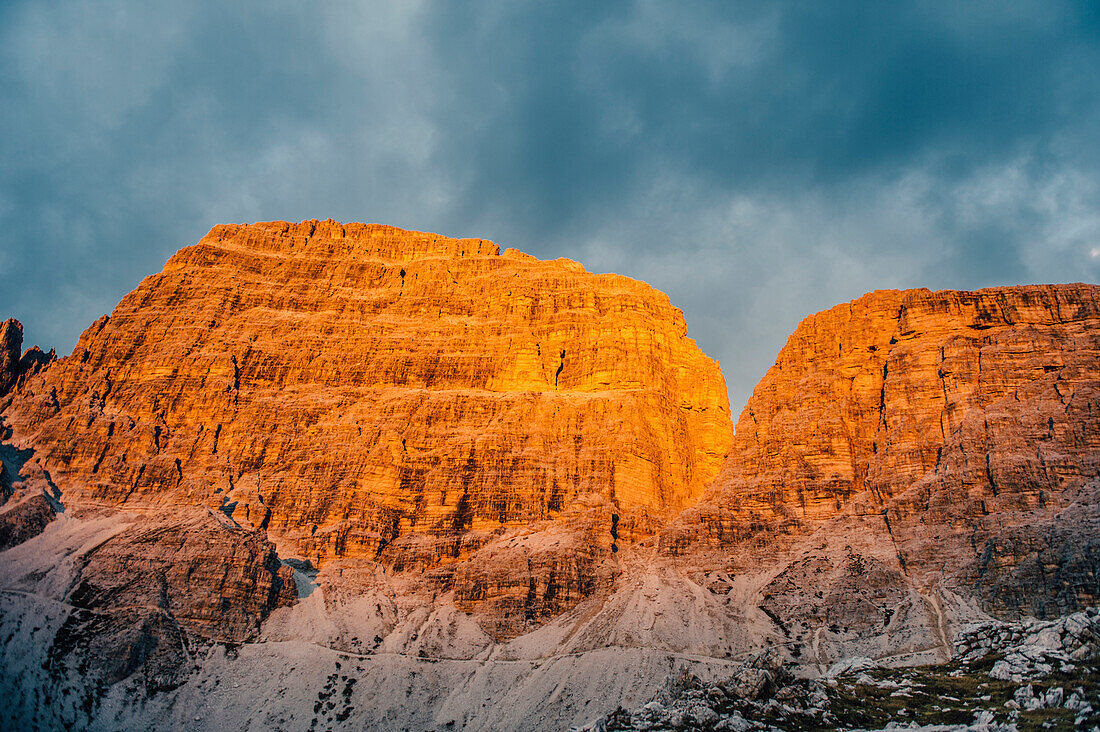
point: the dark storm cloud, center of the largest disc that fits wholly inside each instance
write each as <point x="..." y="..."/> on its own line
<point x="813" y="95"/>
<point x="757" y="162"/>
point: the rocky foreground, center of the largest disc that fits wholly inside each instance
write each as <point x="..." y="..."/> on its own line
<point x="323" y="476"/>
<point x="1003" y="676"/>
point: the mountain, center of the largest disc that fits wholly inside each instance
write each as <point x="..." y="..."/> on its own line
<point x="353" y="475"/>
<point x="912" y="450"/>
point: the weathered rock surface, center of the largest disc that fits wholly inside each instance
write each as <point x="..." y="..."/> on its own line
<point x="215" y="580"/>
<point x="469" y="452"/>
<point x="11" y="340"/>
<point x="960" y="427"/>
<point x="132" y="598"/>
<point x="523" y="577"/>
<point x="13" y="366"/>
<point x="346" y="386"/>
<point x="24" y="520"/>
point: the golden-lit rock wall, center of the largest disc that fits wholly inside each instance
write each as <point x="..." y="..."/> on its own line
<point x="956" y="415"/>
<point x="347" y="385"/>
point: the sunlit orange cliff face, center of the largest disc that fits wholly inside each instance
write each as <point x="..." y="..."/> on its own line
<point x="364" y="391"/>
<point x="320" y="438"/>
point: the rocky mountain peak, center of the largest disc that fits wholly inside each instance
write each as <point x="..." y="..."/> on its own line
<point x="460" y="476"/>
<point x="363" y="391"/>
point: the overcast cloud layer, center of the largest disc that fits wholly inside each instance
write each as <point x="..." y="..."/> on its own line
<point x="755" y="163"/>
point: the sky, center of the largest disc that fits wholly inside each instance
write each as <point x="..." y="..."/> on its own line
<point x="756" y="161"/>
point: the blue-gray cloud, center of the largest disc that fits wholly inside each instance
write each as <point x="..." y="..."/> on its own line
<point x="757" y="162"/>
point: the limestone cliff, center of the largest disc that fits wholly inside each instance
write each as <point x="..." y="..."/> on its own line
<point x="15" y="367"/>
<point x="363" y="391"/>
<point x="471" y="449"/>
<point x="962" y="422"/>
<point x="11" y="339"/>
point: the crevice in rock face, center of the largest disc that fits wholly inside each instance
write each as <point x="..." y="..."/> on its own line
<point x="776" y="619"/>
<point x="554" y="504"/>
<point x="561" y="366"/>
<point x="882" y="395"/>
<point x="134" y="485"/>
<point x="110" y="386"/>
<point x="897" y="548"/>
<point x="531" y="600"/>
<point x="236" y="379"/>
<point x="464" y="515"/>
<point x="102" y="454"/>
<point x="989" y="470"/>
<point x="942" y="375"/>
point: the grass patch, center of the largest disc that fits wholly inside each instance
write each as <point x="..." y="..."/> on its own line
<point x="936" y="695"/>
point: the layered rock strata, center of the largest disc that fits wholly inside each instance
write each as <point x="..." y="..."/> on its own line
<point x="363" y="391"/>
<point x="438" y="430"/>
<point x="360" y="383"/>
<point x="963" y="423"/>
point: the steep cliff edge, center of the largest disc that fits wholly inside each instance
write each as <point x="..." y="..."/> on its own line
<point x="959" y="430"/>
<point x="16" y="365"/>
<point x="11" y="339"/>
<point x="361" y="391"/>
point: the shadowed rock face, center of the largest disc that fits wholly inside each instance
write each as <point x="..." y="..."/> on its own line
<point x="966" y="421"/>
<point x="11" y="340"/>
<point x="145" y="601"/>
<point x="215" y="581"/>
<point x="15" y="367"/>
<point x="1044" y="567"/>
<point x="24" y="520"/>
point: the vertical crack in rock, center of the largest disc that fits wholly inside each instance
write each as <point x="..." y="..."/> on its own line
<point x="236" y="387"/>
